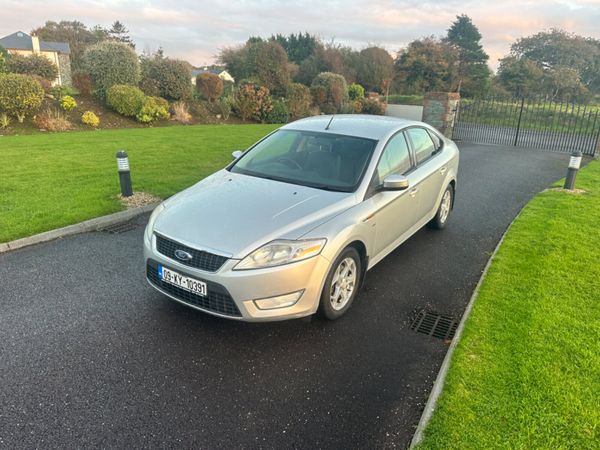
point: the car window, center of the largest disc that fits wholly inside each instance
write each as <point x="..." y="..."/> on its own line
<point x="437" y="142"/>
<point x="395" y="158"/>
<point x="422" y="143"/>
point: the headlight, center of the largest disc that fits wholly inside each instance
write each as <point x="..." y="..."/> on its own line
<point x="153" y="217"/>
<point x="281" y="252"/>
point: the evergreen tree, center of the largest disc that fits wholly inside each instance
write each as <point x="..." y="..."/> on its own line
<point x="119" y="32"/>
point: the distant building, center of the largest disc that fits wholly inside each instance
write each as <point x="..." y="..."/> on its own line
<point x="222" y="73"/>
<point x="59" y="53"/>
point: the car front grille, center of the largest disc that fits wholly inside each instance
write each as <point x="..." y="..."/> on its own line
<point x="200" y="259"/>
<point x="218" y="299"/>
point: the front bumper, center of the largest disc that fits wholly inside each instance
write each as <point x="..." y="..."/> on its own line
<point x="231" y="293"/>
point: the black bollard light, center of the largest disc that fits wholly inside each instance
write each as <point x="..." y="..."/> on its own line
<point x="124" y="174"/>
<point x="574" y="164"/>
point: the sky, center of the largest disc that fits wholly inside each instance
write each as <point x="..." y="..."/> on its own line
<point x="195" y="30"/>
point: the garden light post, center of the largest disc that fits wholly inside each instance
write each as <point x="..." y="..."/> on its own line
<point x="124" y="174"/>
<point x="574" y="164"/>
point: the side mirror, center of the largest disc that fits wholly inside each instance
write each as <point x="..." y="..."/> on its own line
<point x="395" y="183"/>
<point x="237" y="153"/>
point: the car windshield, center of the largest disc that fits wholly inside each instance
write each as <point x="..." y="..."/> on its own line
<point x="320" y="160"/>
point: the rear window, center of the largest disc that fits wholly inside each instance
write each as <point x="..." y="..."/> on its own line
<point x="422" y="143"/>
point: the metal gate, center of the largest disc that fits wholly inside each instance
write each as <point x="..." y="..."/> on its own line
<point x="537" y="123"/>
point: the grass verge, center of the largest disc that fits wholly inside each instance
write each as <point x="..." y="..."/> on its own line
<point x="526" y="373"/>
<point x="52" y="180"/>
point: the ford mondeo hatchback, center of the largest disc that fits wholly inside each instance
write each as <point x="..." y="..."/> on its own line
<point x="292" y="225"/>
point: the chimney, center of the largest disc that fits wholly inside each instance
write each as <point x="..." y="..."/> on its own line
<point x="35" y="43"/>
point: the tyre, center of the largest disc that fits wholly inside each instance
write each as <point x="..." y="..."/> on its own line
<point x="441" y="216"/>
<point x="341" y="285"/>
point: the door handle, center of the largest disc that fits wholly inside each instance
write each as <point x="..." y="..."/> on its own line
<point x="413" y="192"/>
<point x="443" y="170"/>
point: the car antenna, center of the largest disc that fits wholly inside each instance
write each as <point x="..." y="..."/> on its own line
<point x="330" y="120"/>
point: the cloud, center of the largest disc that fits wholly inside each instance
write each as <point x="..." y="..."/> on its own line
<point x="196" y="31"/>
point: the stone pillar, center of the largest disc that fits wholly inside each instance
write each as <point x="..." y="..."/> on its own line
<point x="439" y="110"/>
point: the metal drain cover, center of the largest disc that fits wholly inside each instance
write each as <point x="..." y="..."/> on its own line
<point x="119" y="228"/>
<point x="433" y="324"/>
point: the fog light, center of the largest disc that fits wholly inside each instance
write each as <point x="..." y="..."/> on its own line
<point x="281" y="301"/>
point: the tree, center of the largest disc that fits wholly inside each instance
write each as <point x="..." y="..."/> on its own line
<point x="120" y="33"/>
<point x="520" y="76"/>
<point x="210" y="86"/>
<point x="426" y="64"/>
<point x="557" y="48"/>
<point x="298" y="47"/>
<point x="473" y="72"/>
<point x="3" y="58"/>
<point x="110" y="63"/>
<point x="171" y="77"/>
<point x="375" y="69"/>
<point x="73" y="32"/>
<point x="32" y="65"/>
<point x="329" y="91"/>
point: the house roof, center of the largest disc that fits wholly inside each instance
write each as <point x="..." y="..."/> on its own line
<point x="22" y="41"/>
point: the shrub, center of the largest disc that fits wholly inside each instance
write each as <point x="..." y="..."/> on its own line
<point x="329" y="91"/>
<point x="153" y="108"/>
<point x="68" y="103"/>
<point x="356" y="91"/>
<point x="209" y="85"/>
<point x="171" y="77"/>
<point x="83" y="83"/>
<point x="150" y="87"/>
<point x="279" y="113"/>
<point x="20" y="95"/>
<point x="373" y="106"/>
<point x="225" y="104"/>
<point x="298" y="101"/>
<point x="111" y="63"/>
<point x="33" y="65"/>
<point x="252" y="101"/>
<point x="44" y="83"/>
<point x="4" y="121"/>
<point x="52" y="120"/>
<point x="126" y="100"/>
<point x="91" y="119"/>
<point x="3" y="59"/>
<point x="181" y="113"/>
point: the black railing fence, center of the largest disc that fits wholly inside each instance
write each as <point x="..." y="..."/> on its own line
<point x="538" y="123"/>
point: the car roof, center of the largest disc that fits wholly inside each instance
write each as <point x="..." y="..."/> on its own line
<point x="359" y="125"/>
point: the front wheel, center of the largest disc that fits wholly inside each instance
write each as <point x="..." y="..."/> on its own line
<point x="341" y="285"/>
<point x="441" y="217"/>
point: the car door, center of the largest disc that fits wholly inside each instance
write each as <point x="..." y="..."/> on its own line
<point x="430" y="170"/>
<point x="395" y="211"/>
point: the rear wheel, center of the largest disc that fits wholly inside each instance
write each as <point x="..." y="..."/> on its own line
<point x="341" y="285"/>
<point x="441" y="217"/>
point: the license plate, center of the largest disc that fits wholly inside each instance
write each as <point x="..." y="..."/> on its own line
<point x="186" y="283"/>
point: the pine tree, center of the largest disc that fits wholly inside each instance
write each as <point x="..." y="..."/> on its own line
<point x="119" y="32"/>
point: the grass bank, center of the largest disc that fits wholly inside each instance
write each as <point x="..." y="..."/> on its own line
<point x="526" y="373"/>
<point x="52" y="180"/>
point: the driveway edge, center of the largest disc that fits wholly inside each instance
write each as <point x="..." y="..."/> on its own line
<point x="440" y="380"/>
<point x="82" y="227"/>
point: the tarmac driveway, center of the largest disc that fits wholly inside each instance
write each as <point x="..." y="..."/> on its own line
<point x="91" y="356"/>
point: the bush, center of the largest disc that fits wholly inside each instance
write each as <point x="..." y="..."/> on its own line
<point x="83" y="83"/>
<point x="33" y="65"/>
<point x="298" y="101"/>
<point x="19" y="95"/>
<point x="153" y="108"/>
<point x="52" y="120"/>
<point x="111" y="63"/>
<point x="4" y="121"/>
<point x="91" y="119"/>
<point x="44" y="83"/>
<point x="329" y="92"/>
<point x="279" y="113"/>
<point x="373" y="106"/>
<point x="356" y="91"/>
<point x="210" y="86"/>
<point x="68" y="103"/>
<point x="252" y="101"/>
<point x="170" y="77"/>
<point x="3" y="60"/>
<point x="225" y="104"/>
<point x="126" y="100"/>
<point x="150" y="87"/>
<point x="181" y="113"/>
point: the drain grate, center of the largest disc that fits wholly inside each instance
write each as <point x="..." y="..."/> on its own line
<point x="436" y="325"/>
<point x="119" y="228"/>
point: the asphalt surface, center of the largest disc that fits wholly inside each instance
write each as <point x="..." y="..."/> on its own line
<point x="91" y="356"/>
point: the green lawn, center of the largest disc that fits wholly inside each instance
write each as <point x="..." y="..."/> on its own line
<point x="51" y="180"/>
<point x="526" y="373"/>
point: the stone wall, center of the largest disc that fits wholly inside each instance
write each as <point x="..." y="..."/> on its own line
<point x="439" y="110"/>
<point x="64" y="68"/>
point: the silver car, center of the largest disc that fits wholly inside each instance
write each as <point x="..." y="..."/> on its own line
<point x="292" y="225"/>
